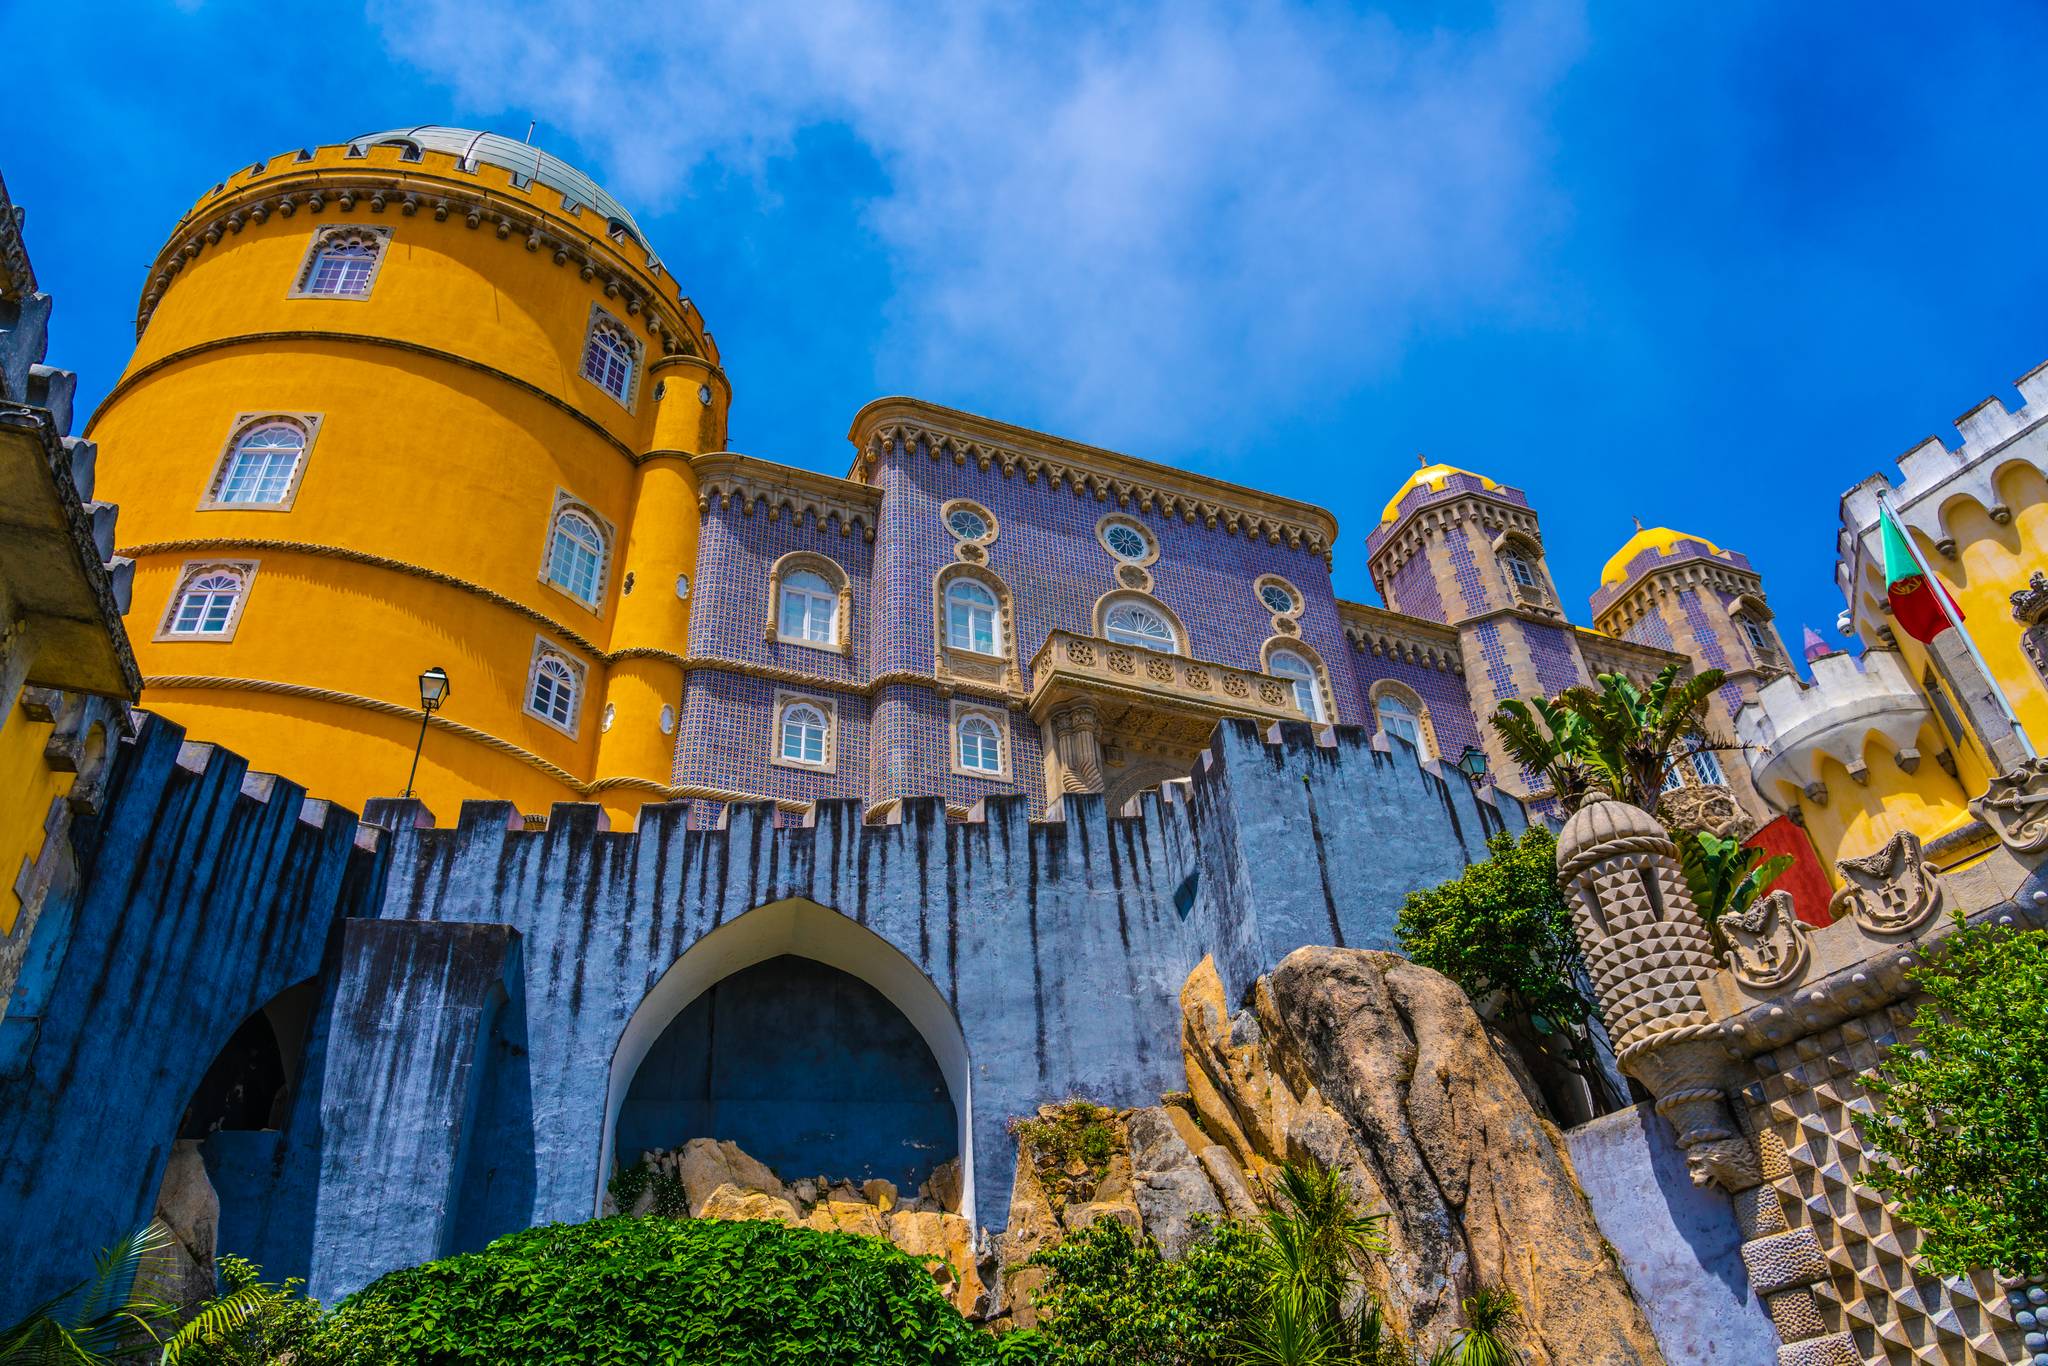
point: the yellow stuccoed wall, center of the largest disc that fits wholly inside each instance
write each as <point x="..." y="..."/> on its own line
<point x="1860" y="818"/>
<point x="451" y="412"/>
<point x="30" y="786"/>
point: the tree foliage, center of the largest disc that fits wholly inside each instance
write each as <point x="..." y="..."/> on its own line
<point x="1315" y="1310"/>
<point x="1112" y="1299"/>
<point x="1960" y="1129"/>
<point x="120" y="1304"/>
<point x="1724" y="877"/>
<point x="1501" y="928"/>
<point x="1620" y="737"/>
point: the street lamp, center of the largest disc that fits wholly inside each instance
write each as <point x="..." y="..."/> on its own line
<point x="1472" y="763"/>
<point x="433" y="692"/>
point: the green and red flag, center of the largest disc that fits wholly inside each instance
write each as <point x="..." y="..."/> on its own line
<point x="1919" y="604"/>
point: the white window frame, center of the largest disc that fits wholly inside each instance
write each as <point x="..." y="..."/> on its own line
<point x="998" y="720"/>
<point x="1758" y="636"/>
<point x="807" y="600"/>
<point x="568" y="505"/>
<point x="1415" y="709"/>
<point x="998" y="647"/>
<point x="627" y="396"/>
<point x="1108" y="605"/>
<point x="302" y="283"/>
<point x="838" y="585"/>
<point x="545" y="650"/>
<point x="828" y="708"/>
<point x="189" y="576"/>
<point x="1522" y="572"/>
<point x="1704" y="759"/>
<point x="1312" y="679"/>
<point x="244" y="426"/>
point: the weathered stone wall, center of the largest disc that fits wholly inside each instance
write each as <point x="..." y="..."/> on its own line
<point x="204" y="891"/>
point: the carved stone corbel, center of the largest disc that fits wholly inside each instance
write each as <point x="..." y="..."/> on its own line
<point x="1893" y="891"/>
<point x="1076" y="748"/>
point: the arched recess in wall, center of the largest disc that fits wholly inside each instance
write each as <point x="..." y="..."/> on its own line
<point x="801" y="929"/>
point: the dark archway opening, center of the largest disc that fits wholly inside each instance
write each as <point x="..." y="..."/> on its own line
<point x="807" y="1068"/>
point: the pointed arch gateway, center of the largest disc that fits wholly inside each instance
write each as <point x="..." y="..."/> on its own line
<point x="803" y="929"/>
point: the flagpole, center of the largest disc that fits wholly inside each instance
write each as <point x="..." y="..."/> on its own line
<point x="1884" y="503"/>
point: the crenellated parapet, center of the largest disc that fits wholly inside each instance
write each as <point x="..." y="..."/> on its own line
<point x="1934" y="485"/>
<point x="1792" y="726"/>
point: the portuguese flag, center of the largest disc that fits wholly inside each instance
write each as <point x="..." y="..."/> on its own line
<point x="1919" y="603"/>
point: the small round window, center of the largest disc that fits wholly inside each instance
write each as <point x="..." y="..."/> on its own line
<point x="1126" y="541"/>
<point x="682" y="585"/>
<point x="967" y="524"/>
<point x="1277" y="598"/>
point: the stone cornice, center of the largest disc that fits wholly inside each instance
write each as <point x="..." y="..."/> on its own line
<point x="1389" y="635"/>
<point x="1634" y="598"/>
<point x="1108" y="475"/>
<point x="787" y="491"/>
<point x="1632" y="657"/>
<point x="379" y="181"/>
<point x="134" y="377"/>
<point x="1401" y="541"/>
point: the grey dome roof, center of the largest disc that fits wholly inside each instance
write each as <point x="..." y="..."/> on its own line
<point x="526" y="162"/>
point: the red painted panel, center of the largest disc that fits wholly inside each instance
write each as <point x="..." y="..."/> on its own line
<point x="1805" y="879"/>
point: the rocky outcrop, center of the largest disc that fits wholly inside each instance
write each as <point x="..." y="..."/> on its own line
<point x="719" y="1180"/>
<point x="1381" y="1069"/>
<point x="1168" y="1184"/>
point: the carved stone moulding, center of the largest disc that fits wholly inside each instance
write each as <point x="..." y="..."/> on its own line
<point x="1709" y="808"/>
<point x="1893" y="891"/>
<point x="2015" y="804"/>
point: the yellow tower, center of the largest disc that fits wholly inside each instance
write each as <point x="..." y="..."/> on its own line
<point x="425" y="398"/>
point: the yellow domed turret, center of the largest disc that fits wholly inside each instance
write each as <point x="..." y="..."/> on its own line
<point x="426" y="398"/>
<point x="1432" y="477"/>
<point x="1658" y="538"/>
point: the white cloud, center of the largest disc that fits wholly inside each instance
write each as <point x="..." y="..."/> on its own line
<point x="1141" y="224"/>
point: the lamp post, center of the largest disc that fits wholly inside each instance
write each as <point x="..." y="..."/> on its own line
<point x="1472" y="763"/>
<point x="433" y="692"/>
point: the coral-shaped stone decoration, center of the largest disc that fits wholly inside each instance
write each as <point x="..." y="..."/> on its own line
<point x="1892" y="891"/>
<point x="2015" y="804"/>
<point x="1766" y="943"/>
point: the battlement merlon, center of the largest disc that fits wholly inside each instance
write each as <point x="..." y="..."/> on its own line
<point x="1933" y="480"/>
<point x="1792" y="726"/>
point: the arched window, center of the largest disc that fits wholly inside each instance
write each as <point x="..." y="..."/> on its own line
<point x="262" y="465"/>
<point x="553" y="692"/>
<point x="1398" y="721"/>
<point x="803" y="735"/>
<point x="1519" y="568"/>
<point x="610" y="357"/>
<point x="342" y="264"/>
<point x="1706" y="766"/>
<point x="972" y="619"/>
<point x="1308" y="694"/>
<point x="208" y="604"/>
<point x="576" y="555"/>
<point x="808" y="608"/>
<point x="981" y="748"/>
<point x="1135" y="623"/>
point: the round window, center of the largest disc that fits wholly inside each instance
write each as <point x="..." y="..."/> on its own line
<point x="967" y="524"/>
<point x="1277" y="598"/>
<point x="1127" y="542"/>
<point x="682" y="585"/>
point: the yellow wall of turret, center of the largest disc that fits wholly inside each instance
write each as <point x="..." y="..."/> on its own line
<point x="452" y="413"/>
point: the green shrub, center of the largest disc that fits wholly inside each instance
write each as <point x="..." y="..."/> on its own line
<point x="1112" y="1300"/>
<point x="1075" y="1134"/>
<point x="657" y="1290"/>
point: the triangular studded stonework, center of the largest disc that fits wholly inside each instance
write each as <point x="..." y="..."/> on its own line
<point x="1809" y="1097"/>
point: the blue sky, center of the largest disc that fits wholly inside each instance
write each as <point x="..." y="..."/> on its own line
<point x="1705" y="265"/>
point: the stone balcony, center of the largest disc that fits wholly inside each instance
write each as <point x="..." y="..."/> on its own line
<point x="1118" y="719"/>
